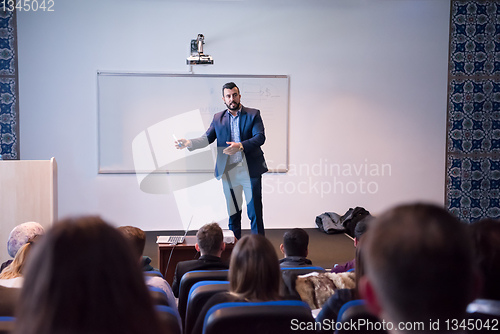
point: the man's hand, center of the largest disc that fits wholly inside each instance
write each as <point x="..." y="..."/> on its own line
<point x="232" y="148"/>
<point x="182" y="143"/>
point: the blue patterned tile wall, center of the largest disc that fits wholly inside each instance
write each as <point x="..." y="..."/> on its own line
<point x="475" y="38"/>
<point x="9" y="116"/>
<point x="473" y="129"/>
<point x="474" y="187"/>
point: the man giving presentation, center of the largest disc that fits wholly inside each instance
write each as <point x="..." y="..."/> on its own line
<point x="240" y="161"/>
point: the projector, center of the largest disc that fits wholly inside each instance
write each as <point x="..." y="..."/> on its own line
<point x="200" y="60"/>
<point x="197" y="56"/>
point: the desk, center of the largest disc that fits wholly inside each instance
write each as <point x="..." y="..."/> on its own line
<point x="182" y="252"/>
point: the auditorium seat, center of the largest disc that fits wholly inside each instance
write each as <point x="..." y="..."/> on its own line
<point x="158" y="296"/>
<point x="152" y="273"/>
<point x="198" y="295"/>
<point x="349" y="309"/>
<point x="168" y="319"/>
<point x="303" y="270"/>
<point x="258" y="317"/>
<point x="6" y="324"/>
<point x="192" y="277"/>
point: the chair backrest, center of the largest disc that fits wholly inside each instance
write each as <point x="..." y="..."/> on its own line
<point x="258" y="317"/>
<point x="168" y="319"/>
<point x="347" y="310"/>
<point x="158" y="296"/>
<point x="153" y="273"/>
<point x="303" y="270"/>
<point x="6" y="324"/>
<point x="8" y="300"/>
<point x="192" y="277"/>
<point x="198" y="295"/>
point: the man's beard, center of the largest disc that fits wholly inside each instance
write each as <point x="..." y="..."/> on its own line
<point x="232" y="108"/>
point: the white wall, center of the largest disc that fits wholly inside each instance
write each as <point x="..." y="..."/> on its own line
<point x="368" y="85"/>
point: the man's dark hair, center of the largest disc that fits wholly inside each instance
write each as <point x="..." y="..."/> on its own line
<point x="362" y="226"/>
<point x="135" y="236"/>
<point x="296" y="242"/>
<point x="419" y="260"/>
<point x="210" y="239"/>
<point x="229" y="85"/>
<point x="486" y="244"/>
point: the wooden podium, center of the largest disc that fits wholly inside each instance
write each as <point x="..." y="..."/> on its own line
<point x="28" y="192"/>
<point x="182" y="252"/>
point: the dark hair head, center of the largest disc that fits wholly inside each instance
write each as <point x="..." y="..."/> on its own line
<point x="136" y="236"/>
<point x="418" y="258"/>
<point x="83" y="277"/>
<point x="229" y="85"/>
<point x="295" y="242"/>
<point x="362" y="226"/>
<point x="486" y="244"/>
<point x="210" y="238"/>
<point x="254" y="270"/>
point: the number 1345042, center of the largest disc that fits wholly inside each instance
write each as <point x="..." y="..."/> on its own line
<point x="27" y="5"/>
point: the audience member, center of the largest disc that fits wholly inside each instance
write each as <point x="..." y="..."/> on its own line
<point x="295" y="248"/>
<point x="486" y="244"/>
<point x="12" y="275"/>
<point x="210" y="244"/>
<point x="20" y="236"/>
<point x="419" y="268"/>
<point x="137" y="239"/>
<point x="359" y="230"/>
<point x="83" y="278"/>
<point x="332" y="307"/>
<point x="254" y="275"/>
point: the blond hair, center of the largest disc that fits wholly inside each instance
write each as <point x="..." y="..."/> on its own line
<point x="15" y="268"/>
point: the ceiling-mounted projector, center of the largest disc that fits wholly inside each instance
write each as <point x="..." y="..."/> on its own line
<point x="197" y="57"/>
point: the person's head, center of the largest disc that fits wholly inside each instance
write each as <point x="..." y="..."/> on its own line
<point x="210" y="240"/>
<point x="231" y="96"/>
<point x="20" y="235"/>
<point x="254" y="270"/>
<point x="361" y="228"/>
<point x="295" y="243"/>
<point x="418" y="265"/>
<point x="16" y="267"/>
<point x="486" y="244"/>
<point x="83" y="277"/>
<point x="136" y="237"/>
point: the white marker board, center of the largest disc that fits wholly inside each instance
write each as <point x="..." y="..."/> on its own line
<point x="132" y="105"/>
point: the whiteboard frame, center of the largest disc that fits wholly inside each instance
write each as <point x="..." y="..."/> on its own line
<point x="162" y="74"/>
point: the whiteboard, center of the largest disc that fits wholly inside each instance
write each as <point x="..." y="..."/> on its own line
<point x="139" y="114"/>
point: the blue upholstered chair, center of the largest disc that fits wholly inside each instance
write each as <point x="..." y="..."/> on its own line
<point x="152" y="273"/>
<point x="198" y="295"/>
<point x="168" y="319"/>
<point x="349" y="308"/>
<point x="6" y="324"/>
<point x="192" y="277"/>
<point x="257" y="317"/>
<point x="303" y="270"/>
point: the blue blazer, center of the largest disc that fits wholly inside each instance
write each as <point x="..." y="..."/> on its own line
<point x="252" y="137"/>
